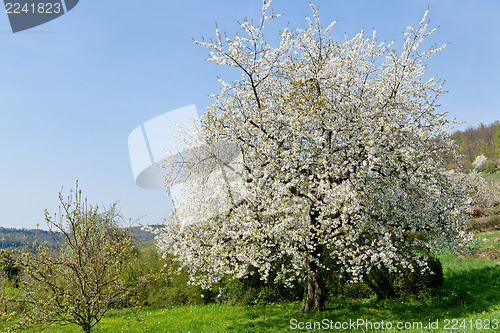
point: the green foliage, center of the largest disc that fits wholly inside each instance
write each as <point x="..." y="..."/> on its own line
<point x="470" y="292"/>
<point x="166" y="285"/>
<point x="386" y="284"/>
<point x="266" y="295"/>
<point x="485" y="149"/>
<point x="251" y="289"/>
<point x="8" y="292"/>
<point x="490" y="166"/>
<point x="338" y="288"/>
<point x="18" y="238"/>
<point x="497" y="142"/>
<point x="10" y="267"/>
<point x="483" y="140"/>
<point x="235" y="292"/>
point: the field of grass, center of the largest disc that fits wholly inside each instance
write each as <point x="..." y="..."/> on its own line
<point x="470" y="296"/>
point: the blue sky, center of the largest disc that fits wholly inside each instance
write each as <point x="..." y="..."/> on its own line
<point x="72" y="90"/>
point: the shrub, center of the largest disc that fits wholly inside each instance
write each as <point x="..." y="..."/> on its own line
<point x="339" y="287"/>
<point x="166" y="285"/>
<point x="252" y="290"/>
<point x="387" y="284"/>
<point x="486" y="223"/>
<point x="10" y="267"/>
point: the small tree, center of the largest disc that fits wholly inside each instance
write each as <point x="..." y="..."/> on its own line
<point x="490" y="166"/>
<point x="80" y="281"/>
<point x="497" y="142"/>
<point x="480" y="163"/>
<point x="10" y="267"/>
<point x="321" y="149"/>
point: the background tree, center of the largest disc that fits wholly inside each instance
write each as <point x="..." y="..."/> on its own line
<point x="480" y="162"/>
<point x="10" y="267"/>
<point x="483" y="140"/>
<point x="321" y="149"/>
<point x="497" y="143"/>
<point x="79" y="282"/>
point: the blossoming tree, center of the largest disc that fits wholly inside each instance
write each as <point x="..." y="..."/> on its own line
<point x="480" y="162"/>
<point x="322" y="148"/>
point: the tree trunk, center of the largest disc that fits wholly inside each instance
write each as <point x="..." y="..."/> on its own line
<point x="314" y="299"/>
<point x="315" y="294"/>
<point x="86" y="327"/>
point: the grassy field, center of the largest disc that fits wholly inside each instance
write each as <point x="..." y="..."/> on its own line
<point x="470" y="297"/>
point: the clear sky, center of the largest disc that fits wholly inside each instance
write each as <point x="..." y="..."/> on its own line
<point x="72" y="90"/>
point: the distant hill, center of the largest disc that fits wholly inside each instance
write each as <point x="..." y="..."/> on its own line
<point x="142" y="237"/>
<point x="482" y="140"/>
<point x="12" y="238"/>
<point x="16" y="238"/>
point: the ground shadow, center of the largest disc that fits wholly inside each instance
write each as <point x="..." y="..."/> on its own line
<point x="464" y="293"/>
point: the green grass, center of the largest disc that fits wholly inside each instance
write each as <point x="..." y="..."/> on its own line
<point x="491" y="176"/>
<point x="471" y="292"/>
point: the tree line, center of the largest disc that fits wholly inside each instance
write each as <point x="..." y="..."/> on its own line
<point x="13" y="238"/>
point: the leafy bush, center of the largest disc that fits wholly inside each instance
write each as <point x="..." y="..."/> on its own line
<point x="251" y="289"/>
<point x="339" y="286"/>
<point x="166" y="286"/>
<point x="10" y="267"/>
<point x="235" y="291"/>
<point x="387" y="284"/>
<point x="9" y="291"/>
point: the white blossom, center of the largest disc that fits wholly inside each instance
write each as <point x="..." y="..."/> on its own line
<point x="480" y="162"/>
<point x="322" y="147"/>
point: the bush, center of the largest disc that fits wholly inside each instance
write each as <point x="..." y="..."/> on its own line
<point x="406" y="282"/>
<point x="235" y="291"/>
<point x="166" y="285"/>
<point x="9" y="291"/>
<point x="486" y="223"/>
<point x="338" y="287"/>
<point x="10" y="267"/>
<point x="252" y="290"/>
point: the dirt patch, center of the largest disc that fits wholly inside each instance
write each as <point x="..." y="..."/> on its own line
<point x="486" y="254"/>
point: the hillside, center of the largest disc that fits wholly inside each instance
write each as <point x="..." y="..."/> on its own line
<point x="16" y="238"/>
<point x="12" y="238"/>
<point x="483" y="140"/>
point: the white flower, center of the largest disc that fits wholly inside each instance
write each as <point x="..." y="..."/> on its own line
<point x="317" y="146"/>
